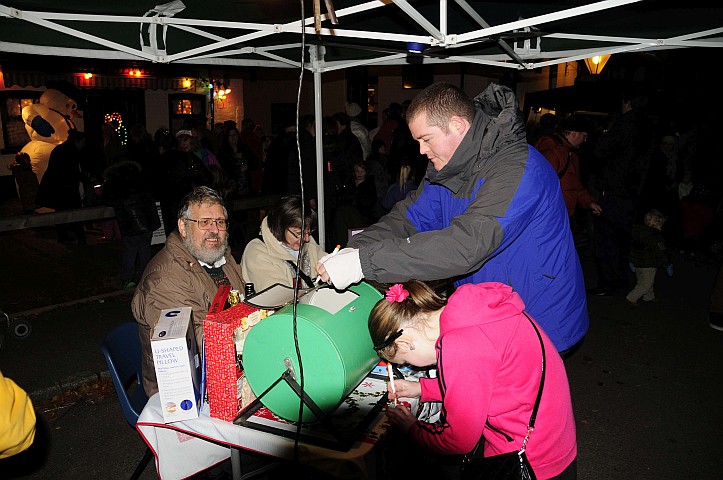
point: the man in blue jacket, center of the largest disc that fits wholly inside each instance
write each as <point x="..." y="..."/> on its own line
<point x="489" y="209"/>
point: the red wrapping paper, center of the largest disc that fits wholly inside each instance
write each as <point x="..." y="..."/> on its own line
<point x="226" y="387"/>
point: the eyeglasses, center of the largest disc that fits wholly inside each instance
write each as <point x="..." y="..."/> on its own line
<point x="207" y="223"/>
<point x="297" y="235"/>
<point x="391" y="339"/>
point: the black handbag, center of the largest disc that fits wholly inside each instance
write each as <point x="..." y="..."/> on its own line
<point x="507" y="466"/>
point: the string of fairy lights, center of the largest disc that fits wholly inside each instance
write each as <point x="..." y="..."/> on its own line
<point x="116" y="120"/>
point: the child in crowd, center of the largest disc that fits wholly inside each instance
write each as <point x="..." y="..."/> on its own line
<point x="399" y="189"/>
<point x="648" y="252"/>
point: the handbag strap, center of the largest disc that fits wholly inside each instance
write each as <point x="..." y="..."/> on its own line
<point x="562" y="172"/>
<point x="533" y="417"/>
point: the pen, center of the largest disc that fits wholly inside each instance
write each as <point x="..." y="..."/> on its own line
<point x="334" y="252"/>
<point x="391" y="382"/>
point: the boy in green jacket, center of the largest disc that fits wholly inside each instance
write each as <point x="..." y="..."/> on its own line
<point x="648" y="252"/>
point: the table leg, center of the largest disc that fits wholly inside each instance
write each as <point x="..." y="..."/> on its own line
<point x="235" y="463"/>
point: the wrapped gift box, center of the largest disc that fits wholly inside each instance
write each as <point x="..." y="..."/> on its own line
<point x="224" y="332"/>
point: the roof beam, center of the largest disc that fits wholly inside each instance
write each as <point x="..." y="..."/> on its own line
<point x="421" y="21"/>
<point x="31" y="17"/>
<point x="501" y="43"/>
<point x="541" y="19"/>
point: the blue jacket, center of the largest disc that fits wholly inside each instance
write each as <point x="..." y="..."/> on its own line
<point x="494" y="213"/>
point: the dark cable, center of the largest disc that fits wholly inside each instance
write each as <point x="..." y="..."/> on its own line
<point x="301" y="245"/>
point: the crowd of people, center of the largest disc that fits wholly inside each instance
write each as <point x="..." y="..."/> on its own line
<point x="447" y="188"/>
<point x="361" y="175"/>
<point x="623" y="172"/>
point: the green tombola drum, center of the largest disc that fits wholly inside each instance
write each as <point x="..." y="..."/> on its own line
<point x="336" y="350"/>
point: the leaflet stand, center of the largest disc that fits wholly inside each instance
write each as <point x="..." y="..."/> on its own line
<point x="340" y="441"/>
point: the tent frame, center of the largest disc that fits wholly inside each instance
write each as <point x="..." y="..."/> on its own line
<point x="238" y="50"/>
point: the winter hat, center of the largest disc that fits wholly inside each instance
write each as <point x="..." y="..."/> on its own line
<point x="575" y="123"/>
<point x="669" y="139"/>
<point x="352" y="109"/>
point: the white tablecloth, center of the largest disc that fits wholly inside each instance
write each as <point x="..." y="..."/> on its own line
<point x="187" y="447"/>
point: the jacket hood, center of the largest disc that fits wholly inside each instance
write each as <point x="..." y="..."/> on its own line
<point x="481" y="303"/>
<point x="175" y="247"/>
<point x="272" y="243"/>
<point x="497" y="124"/>
<point x="123" y="169"/>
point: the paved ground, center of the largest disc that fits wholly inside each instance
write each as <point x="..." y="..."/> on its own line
<point x="646" y="384"/>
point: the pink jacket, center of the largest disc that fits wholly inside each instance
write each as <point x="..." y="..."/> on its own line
<point x="489" y="361"/>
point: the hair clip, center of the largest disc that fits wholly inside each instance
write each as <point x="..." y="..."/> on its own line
<point x="389" y="340"/>
<point x="397" y="293"/>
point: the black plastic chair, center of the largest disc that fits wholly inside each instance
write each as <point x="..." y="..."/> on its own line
<point x="122" y="351"/>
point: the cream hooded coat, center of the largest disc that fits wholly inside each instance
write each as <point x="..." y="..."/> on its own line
<point x="264" y="261"/>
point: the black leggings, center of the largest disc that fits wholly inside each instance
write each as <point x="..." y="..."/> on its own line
<point x="565" y="354"/>
<point x="570" y="473"/>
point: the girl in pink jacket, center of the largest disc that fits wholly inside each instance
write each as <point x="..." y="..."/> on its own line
<point x="489" y="360"/>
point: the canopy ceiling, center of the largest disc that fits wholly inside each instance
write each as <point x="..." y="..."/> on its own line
<point x="520" y="35"/>
<point x="267" y="33"/>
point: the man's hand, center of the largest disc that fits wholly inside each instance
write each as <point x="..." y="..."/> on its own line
<point x="340" y="269"/>
<point x="596" y="209"/>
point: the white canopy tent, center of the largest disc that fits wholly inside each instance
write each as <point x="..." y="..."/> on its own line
<point x="346" y="33"/>
<point x="267" y="33"/>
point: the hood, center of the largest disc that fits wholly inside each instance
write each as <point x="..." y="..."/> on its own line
<point x="175" y="247"/>
<point x="497" y="124"/>
<point x="123" y="170"/>
<point x="272" y="244"/>
<point x="476" y="304"/>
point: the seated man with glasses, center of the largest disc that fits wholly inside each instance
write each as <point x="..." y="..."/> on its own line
<point x="273" y="258"/>
<point x="194" y="262"/>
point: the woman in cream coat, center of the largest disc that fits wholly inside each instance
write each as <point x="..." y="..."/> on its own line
<point x="273" y="257"/>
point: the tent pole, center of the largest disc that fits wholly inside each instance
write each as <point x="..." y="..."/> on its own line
<point x="316" y="54"/>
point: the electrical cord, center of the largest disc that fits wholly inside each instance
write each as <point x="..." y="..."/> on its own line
<point x="302" y="244"/>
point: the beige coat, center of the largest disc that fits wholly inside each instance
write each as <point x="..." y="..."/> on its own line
<point x="264" y="262"/>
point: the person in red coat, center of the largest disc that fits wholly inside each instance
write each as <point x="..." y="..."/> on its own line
<point x="248" y="136"/>
<point x="562" y="150"/>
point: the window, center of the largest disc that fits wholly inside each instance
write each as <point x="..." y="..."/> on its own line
<point x="186" y="106"/>
<point x="11" y="110"/>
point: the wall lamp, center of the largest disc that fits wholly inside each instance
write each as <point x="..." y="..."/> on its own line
<point x="595" y="64"/>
